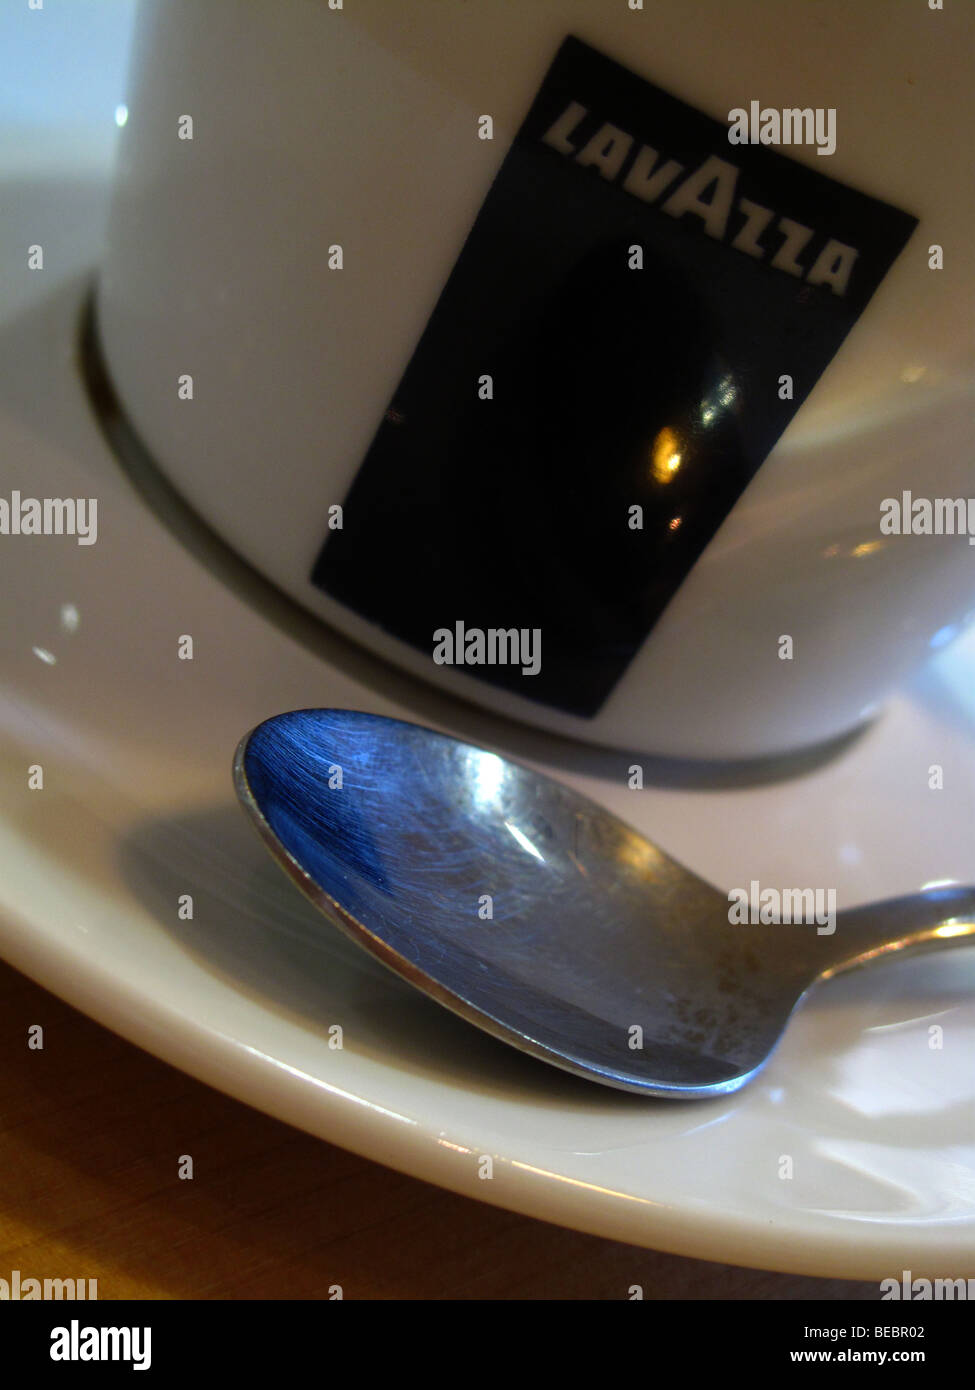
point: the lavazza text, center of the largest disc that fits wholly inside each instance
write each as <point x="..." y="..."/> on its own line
<point x="708" y="192"/>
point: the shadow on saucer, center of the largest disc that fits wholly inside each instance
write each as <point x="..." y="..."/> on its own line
<point x="253" y="929"/>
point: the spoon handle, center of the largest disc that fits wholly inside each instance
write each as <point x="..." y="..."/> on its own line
<point x="919" y="921"/>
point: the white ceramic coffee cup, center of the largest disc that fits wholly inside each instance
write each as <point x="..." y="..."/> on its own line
<point x="314" y="127"/>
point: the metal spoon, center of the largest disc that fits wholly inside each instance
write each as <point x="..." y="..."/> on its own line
<point x="537" y="915"/>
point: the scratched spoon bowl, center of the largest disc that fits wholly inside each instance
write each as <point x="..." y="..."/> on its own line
<point x="537" y="915"/>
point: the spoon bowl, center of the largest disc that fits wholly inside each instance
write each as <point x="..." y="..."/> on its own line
<point x="539" y="916"/>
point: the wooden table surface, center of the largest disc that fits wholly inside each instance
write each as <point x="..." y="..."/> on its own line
<point x="90" y="1129"/>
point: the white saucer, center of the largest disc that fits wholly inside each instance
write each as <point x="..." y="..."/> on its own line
<point x="138" y="809"/>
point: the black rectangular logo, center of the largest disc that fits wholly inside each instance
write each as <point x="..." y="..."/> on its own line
<point x="634" y="287"/>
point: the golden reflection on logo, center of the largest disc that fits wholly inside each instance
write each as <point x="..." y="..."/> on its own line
<point x="665" y="455"/>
